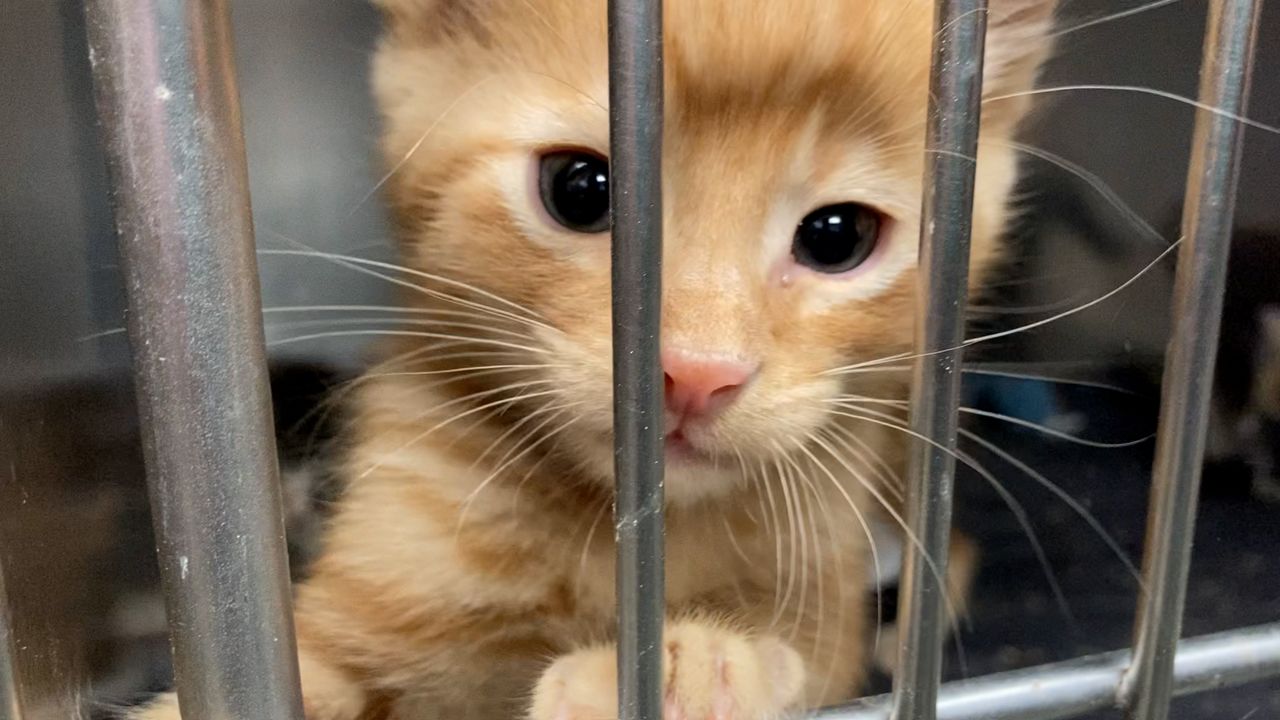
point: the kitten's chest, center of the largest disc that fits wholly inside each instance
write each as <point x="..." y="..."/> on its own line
<point x="705" y="557"/>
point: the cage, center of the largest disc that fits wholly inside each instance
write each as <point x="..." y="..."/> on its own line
<point x="166" y="93"/>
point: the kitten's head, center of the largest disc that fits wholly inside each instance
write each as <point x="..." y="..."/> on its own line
<point x="792" y="183"/>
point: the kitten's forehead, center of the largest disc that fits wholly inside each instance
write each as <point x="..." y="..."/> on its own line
<point x="754" y="45"/>
<point x="754" y="48"/>
<point x="859" y="60"/>
<point x="742" y="62"/>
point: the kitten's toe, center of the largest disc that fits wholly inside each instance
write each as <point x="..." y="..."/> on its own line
<point x="580" y="685"/>
<point x="708" y="674"/>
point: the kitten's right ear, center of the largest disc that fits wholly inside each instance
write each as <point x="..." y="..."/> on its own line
<point x="395" y="11"/>
<point x="1018" y="37"/>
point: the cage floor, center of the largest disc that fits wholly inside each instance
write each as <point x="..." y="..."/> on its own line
<point x="1016" y="620"/>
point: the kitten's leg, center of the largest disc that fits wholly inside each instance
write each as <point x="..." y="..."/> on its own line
<point x="716" y="671"/>
<point x="708" y="672"/>
<point x="961" y="568"/>
<point x="328" y="694"/>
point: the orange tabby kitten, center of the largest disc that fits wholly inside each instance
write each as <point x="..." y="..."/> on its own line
<point x="469" y="570"/>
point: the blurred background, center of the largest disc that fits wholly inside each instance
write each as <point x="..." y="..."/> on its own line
<point x="75" y="545"/>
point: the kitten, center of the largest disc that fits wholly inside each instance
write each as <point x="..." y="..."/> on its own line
<point x="468" y="570"/>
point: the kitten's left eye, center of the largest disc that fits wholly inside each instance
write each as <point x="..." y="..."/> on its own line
<point x="574" y="185"/>
<point x="836" y="238"/>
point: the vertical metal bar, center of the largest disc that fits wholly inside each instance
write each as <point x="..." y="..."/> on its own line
<point x="955" y="93"/>
<point x="165" y="85"/>
<point x="1188" y="378"/>
<point x="635" y="128"/>
<point x="10" y="703"/>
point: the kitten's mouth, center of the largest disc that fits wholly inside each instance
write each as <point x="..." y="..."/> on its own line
<point x="679" y="449"/>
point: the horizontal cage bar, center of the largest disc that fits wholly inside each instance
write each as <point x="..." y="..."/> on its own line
<point x="1075" y="687"/>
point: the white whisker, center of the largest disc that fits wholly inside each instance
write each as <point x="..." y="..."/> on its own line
<point x="404" y="333"/>
<point x="1073" y="504"/>
<point x="1110" y="17"/>
<point x="1022" y="328"/>
<point x="1019" y="512"/>
<point x="1141" y="91"/>
<point x="418" y="144"/>
<point x="362" y="265"/>
<point x="859" y="400"/>
<point x="480" y="408"/>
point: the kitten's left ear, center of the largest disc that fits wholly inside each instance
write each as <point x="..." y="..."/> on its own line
<point x="1019" y="39"/>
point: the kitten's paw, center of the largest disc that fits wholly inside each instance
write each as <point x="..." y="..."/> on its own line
<point x="708" y="674"/>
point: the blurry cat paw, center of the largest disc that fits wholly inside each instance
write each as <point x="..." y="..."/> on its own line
<point x="708" y="674"/>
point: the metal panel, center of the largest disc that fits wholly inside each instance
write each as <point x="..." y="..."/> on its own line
<point x="951" y="143"/>
<point x="167" y="99"/>
<point x="635" y="125"/>
<point x="1189" y="370"/>
<point x="1075" y="687"/>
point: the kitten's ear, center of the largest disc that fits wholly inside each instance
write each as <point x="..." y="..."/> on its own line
<point x="1019" y="38"/>
<point x="397" y="11"/>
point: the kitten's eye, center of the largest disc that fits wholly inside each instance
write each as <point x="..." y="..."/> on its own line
<point x="836" y="238"/>
<point x="574" y="185"/>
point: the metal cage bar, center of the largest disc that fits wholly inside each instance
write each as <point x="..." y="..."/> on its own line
<point x="1188" y="377"/>
<point x="167" y="100"/>
<point x="1089" y="684"/>
<point x="635" y="132"/>
<point x="951" y="145"/>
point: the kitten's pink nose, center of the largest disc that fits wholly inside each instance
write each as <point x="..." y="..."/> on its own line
<point x="700" y="385"/>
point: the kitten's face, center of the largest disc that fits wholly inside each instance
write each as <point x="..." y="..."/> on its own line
<point x="775" y="111"/>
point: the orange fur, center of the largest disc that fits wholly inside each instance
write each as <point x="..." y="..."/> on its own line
<point x="472" y="556"/>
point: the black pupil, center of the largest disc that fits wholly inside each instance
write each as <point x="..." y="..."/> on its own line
<point x="575" y="189"/>
<point x="836" y="238"/>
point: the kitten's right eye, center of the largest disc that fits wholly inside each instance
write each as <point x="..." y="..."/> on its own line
<point x="574" y="185"/>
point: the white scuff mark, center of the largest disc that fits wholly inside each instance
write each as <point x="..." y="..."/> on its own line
<point x="163" y="93"/>
<point x="183" y="566"/>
